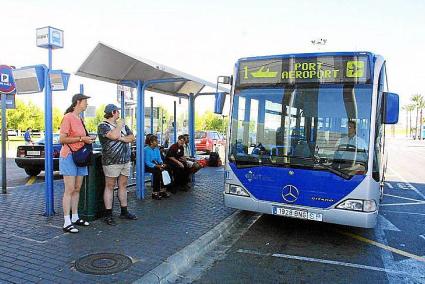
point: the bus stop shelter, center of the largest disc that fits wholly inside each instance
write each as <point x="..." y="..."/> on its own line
<point x="111" y="65"/>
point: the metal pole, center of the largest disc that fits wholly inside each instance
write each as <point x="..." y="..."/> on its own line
<point x="82" y="92"/>
<point x="48" y="152"/>
<point x="3" y="143"/>
<point x="152" y="115"/>
<point x="162" y="125"/>
<point x="140" y="116"/>
<point x="175" y="122"/>
<point x="192" y="124"/>
<point x="122" y="105"/>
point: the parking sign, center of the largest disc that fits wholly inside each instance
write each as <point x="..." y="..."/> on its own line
<point x="7" y="84"/>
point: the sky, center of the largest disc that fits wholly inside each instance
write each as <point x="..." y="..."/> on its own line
<point x="206" y="38"/>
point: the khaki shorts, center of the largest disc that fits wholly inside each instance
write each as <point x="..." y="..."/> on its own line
<point x="116" y="170"/>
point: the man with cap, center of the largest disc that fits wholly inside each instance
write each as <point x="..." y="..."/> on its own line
<point x="116" y="139"/>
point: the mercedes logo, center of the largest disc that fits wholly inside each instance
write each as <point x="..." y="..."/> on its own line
<point x="290" y="193"/>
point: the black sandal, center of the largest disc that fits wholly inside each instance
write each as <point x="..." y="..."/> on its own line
<point x="156" y="196"/>
<point x="70" y="229"/>
<point x="164" y="194"/>
<point x="81" y="222"/>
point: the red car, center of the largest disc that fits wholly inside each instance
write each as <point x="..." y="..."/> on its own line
<point x="207" y="141"/>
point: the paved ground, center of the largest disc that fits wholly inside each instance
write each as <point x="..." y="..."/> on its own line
<point x="279" y="250"/>
<point x="34" y="249"/>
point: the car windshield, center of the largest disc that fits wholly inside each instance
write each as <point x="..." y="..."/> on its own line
<point x="55" y="140"/>
<point x="200" y="134"/>
<point x="298" y="125"/>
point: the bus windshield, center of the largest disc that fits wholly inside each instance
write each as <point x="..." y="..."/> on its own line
<point x="321" y="127"/>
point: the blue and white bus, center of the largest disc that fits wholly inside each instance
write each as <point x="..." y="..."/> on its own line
<point x="307" y="136"/>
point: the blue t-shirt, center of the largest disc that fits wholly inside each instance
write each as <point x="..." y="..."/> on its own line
<point x="27" y="136"/>
<point x="152" y="157"/>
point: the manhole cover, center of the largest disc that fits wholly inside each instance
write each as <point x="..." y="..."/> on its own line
<point x="103" y="263"/>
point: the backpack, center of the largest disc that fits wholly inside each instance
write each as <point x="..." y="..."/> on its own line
<point x="214" y="159"/>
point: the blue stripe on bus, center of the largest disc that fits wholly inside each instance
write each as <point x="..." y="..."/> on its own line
<point x="320" y="189"/>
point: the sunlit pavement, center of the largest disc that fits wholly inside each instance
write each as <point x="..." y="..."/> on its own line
<point x="34" y="248"/>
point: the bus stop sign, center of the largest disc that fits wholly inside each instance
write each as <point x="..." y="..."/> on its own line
<point x="7" y="84"/>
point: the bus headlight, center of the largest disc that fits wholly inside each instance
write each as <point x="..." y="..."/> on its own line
<point x="358" y="205"/>
<point x="236" y="190"/>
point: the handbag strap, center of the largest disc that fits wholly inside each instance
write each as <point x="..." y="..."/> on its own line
<point x="87" y="134"/>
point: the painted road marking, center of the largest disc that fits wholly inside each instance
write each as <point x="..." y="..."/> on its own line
<point x="403" y="204"/>
<point x="31" y="180"/>
<point x="422" y="236"/>
<point x="389" y="185"/>
<point x="405" y="181"/>
<point x="385" y="247"/>
<point x="402" y="197"/>
<point x="404" y="186"/>
<point x="319" y="260"/>
<point x="403" y="212"/>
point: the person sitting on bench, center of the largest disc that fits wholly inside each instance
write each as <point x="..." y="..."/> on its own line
<point x="154" y="165"/>
<point x="177" y="162"/>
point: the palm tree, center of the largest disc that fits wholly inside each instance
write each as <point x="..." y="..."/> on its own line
<point x="421" y="106"/>
<point x="410" y="108"/>
<point x="417" y="100"/>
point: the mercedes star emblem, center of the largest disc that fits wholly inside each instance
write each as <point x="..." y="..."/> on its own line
<point x="290" y="193"/>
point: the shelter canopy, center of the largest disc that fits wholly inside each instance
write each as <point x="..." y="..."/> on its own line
<point x="108" y="64"/>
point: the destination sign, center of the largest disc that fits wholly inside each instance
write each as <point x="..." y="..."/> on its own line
<point x="324" y="69"/>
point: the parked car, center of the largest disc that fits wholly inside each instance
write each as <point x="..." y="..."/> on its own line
<point x="208" y="141"/>
<point x="31" y="157"/>
<point x="12" y="132"/>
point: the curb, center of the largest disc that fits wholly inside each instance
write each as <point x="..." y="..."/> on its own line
<point x="182" y="260"/>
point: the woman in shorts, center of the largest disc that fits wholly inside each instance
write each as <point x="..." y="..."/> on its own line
<point x="73" y="136"/>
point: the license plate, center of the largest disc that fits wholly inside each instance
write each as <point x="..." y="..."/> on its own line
<point x="33" y="153"/>
<point x="300" y="214"/>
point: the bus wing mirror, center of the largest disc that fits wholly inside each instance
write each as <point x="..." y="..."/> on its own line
<point x="220" y="99"/>
<point x="391" y="108"/>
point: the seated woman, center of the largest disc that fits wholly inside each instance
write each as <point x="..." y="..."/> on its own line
<point x="154" y="165"/>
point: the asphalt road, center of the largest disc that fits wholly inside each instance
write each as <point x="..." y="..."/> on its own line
<point x="17" y="176"/>
<point x="283" y="250"/>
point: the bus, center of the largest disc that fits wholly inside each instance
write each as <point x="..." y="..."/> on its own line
<point x="307" y="136"/>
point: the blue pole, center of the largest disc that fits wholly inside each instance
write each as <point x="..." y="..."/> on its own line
<point x="122" y="105"/>
<point x="192" y="124"/>
<point x="152" y="115"/>
<point x="175" y="122"/>
<point x="82" y="92"/>
<point x="140" y="164"/>
<point x="48" y="152"/>
<point x="3" y="143"/>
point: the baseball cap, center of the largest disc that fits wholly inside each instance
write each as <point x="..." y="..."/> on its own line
<point x="110" y="108"/>
<point x="78" y="97"/>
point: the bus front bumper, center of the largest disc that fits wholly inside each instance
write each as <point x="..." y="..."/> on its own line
<point x="335" y="216"/>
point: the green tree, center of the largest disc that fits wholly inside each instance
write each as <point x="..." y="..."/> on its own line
<point x="419" y="102"/>
<point x="57" y="119"/>
<point x="92" y="122"/>
<point x="210" y="121"/>
<point x="409" y="108"/>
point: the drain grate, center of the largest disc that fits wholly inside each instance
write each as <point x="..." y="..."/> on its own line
<point x="103" y="263"/>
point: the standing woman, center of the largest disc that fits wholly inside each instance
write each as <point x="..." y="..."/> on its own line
<point x="72" y="136"/>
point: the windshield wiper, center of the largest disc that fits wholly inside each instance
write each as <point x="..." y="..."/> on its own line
<point x="317" y="161"/>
